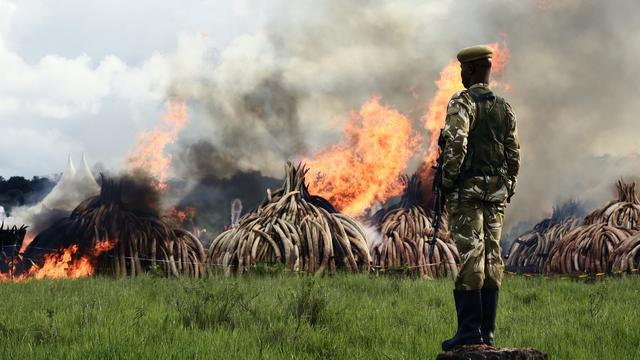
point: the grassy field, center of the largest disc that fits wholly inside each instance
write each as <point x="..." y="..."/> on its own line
<point x="288" y="317"/>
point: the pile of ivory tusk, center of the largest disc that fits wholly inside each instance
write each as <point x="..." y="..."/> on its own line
<point x="530" y="250"/>
<point x="626" y="257"/>
<point x="593" y="247"/>
<point x="291" y="227"/>
<point x="624" y="212"/>
<point x="585" y="250"/>
<point x="143" y="239"/>
<point x="405" y="229"/>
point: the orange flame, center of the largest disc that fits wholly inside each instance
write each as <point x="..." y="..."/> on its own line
<point x="181" y="216"/>
<point x="449" y="83"/>
<point x="365" y="167"/>
<point x="65" y="264"/>
<point x="149" y="155"/>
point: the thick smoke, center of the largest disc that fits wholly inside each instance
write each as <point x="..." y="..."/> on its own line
<point x="276" y="94"/>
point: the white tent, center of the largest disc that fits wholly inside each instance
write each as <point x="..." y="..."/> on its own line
<point x="73" y="187"/>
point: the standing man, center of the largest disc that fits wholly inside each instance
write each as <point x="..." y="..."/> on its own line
<point x="481" y="159"/>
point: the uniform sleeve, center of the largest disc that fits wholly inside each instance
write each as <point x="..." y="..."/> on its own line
<point x="512" y="147"/>
<point x="455" y="132"/>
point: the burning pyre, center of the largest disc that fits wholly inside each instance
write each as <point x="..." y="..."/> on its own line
<point x="365" y="166"/>
<point x="116" y="232"/>
<point x="405" y="229"/>
<point x="293" y="228"/>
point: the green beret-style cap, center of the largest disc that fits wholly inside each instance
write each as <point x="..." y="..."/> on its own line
<point x="474" y="53"/>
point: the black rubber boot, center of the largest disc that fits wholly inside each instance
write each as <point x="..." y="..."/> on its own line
<point x="469" y="311"/>
<point x="489" y="307"/>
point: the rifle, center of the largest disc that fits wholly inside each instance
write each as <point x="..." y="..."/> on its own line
<point x="438" y="203"/>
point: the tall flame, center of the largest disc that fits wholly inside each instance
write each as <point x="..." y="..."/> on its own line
<point x="149" y="155"/>
<point x="365" y="167"/>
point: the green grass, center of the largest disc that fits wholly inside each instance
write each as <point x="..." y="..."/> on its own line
<point x="288" y="317"/>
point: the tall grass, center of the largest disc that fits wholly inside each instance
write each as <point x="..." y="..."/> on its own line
<point x="289" y="317"/>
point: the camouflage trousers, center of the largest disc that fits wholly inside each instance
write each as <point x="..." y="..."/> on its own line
<point x="475" y="224"/>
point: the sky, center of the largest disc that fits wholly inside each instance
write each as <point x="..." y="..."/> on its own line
<point x="87" y="76"/>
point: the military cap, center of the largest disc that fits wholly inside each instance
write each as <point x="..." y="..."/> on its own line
<point x="474" y="53"/>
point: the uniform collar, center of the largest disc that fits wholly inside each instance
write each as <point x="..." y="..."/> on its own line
<point x="479" y="85"/>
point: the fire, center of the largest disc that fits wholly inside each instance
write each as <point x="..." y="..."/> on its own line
<point x="179" y="215"/>
<point x="103" y="246"/>
<point x="449" y="83"/>
<point x="149" y="155"/>
<point x="61" y="265"/>
<point x="188" y="215"/>
<point x="365" y="167"/>
<point x="65" y="264"/>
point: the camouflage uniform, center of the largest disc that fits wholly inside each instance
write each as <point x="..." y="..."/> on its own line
<point x="476" y="200"/>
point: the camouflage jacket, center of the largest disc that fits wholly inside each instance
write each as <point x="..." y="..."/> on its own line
<point x="461" y="113"/>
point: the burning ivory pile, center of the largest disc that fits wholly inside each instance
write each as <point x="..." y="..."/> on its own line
<point x="293" y="228"/>
<point x="591" y="248"/>
<point x="405" y="230"/>
<point x="119" y="231"/>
